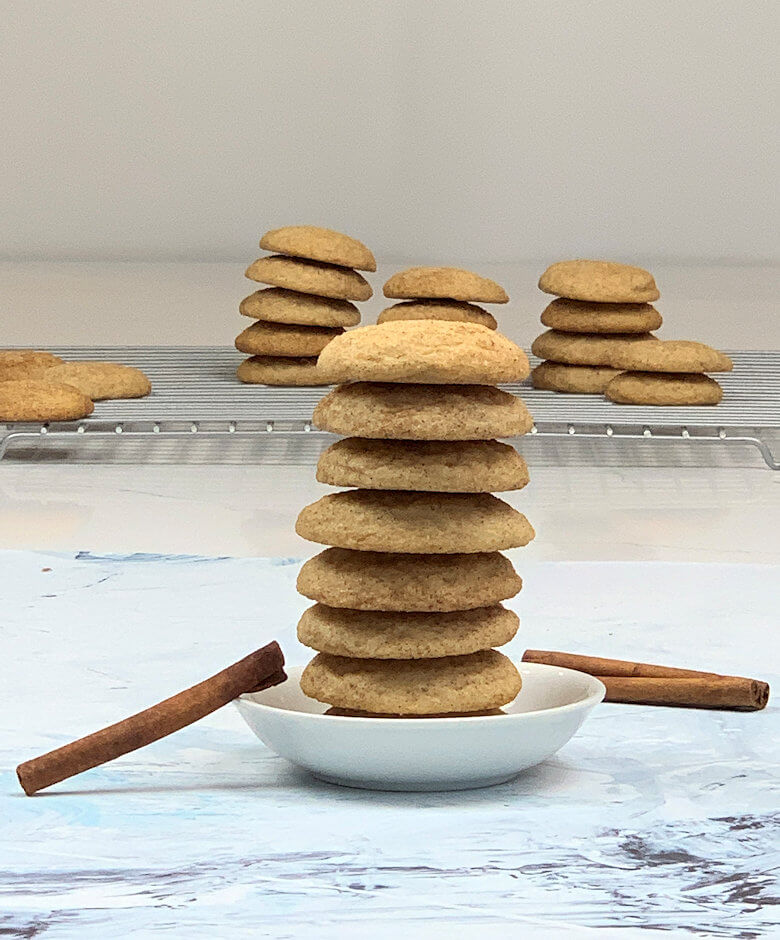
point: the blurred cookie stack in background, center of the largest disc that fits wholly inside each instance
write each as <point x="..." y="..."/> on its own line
<point x="601" y="309"/>
<point x="599" y="340"/>
<point x="442" y="294"/>
<point x="409" y="597"/>
<point x="313" y="277"/>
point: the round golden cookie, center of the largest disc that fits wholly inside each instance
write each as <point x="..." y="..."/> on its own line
<point x="382" y="634"/>
<point x="310" y="277"/>
<point x="600" y="281"/>
<point x="284" y="339"/>
<point x="25" y="363"/>
<point x="422" y="412"/>
<point x="319" y="244"/>
<point x="674" y="355"/>
<point x="427" y="523"/>
<point x="339" y="577"/>
<point x="587" y="349"/>
<point x="278" y="305"/>
<point x="483" y="680"/>
<point x="444" y="284"/>
<point x="581" y="316"/>
<point x="425" y="351"/>
<point x="663" y="388"/>
<point x="281" y="370"/>
<point x="42" y="400"/>
<point x="102" y="380"/>
<point x="581" y="380"/>
<point x="457" y="311"/>
<point x="436" y="466"/>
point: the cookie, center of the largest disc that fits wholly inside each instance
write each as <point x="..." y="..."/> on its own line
<point x="425" y="351"/>
<point x="310" y="277"/>
<point x="587" y="349"/>
<point x="319" y="244"/>
<point x="582" y="380"/>
<point x="339" y="577"/>
<point x="427" y="523"/>
<point x="422" y="412"/>
<point x="285" y="339"/>
<point x="42" y="400"/>
<point x="281" y="370"/>
<point x="354" y="713"/>
<point x="25" y="363"/>
<point x="382" y="634"/>
<point x="437" y="466"/>
<point x="456" y="311"/>
<point x="600" y="281"/>
<point x="278" y="305"/>
<point x="663" y="388"/>
<point x="580" y="316"/>
<point x="483" y="680"/>
<point x="674" y="355"/>
<point x="445" y="284"/>
<point x="102" y="380"/>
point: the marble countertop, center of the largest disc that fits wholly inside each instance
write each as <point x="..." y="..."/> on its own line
<point x="649" y="820"/>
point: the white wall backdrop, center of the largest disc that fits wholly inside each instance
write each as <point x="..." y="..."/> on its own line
<point x="492" y="130"/>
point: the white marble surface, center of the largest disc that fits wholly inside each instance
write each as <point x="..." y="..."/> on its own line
<point x="649" y="819"/>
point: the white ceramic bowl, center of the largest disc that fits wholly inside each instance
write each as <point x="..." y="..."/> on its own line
<point x="424" y="753"/>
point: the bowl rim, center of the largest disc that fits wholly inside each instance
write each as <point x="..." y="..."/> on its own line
<point x="593" y="698"/>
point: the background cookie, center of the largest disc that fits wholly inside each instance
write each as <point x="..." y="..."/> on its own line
<point x="373" y="634"/>
<point x="278" y="305"/>
<point x="281" y="370"/>
<point x="102" y="380"/>
<point x="418" y="686"/>
<point x="25" y="363"/>
<point x="603" y="281"/>
<point x="392" y="521"/>
<point x="310" y="277"/>
<point x="580" y="316"/>
<point x="663" y="388"/>
<point x="437" y="466"/>
<point x="339" y="577"/>
<point x="422" y="412"/>
<point x="583" y="380"/>
<point x="40" y="400"/>
<point x="445" y="283"/>
<point x="425" y="351"/>
<point x="673" y="355"/>
<point x="319" y="244"/>
<point x="285" y="339"/>
<point x="587" y="349"/>
<point x="457" y="311"/>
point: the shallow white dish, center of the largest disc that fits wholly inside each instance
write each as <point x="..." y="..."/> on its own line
<point x="424" y="753"/>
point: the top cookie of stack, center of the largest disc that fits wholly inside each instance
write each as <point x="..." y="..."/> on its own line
<point x="408" y="600"/>
<point x="442" y="294"/>
<point x="313" y="273"/>
<point x="603" y="309"/>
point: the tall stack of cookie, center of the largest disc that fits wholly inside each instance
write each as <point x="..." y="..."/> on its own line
<point x="442" y="294"/>
<point x="602" y="309"/>
<point x="313" y="277"/>
<point x="408" y="600"/>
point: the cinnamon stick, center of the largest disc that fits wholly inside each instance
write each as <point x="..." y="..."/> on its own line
<point x="599" y="666"/>
<point x="728" y="692"/>
<point x="260" y="670"/>
<point x="649" y="684"/>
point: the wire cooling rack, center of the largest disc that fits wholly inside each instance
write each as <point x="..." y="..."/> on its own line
<point x="195" y="395"/>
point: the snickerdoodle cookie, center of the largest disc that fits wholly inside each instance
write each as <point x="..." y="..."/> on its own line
<point x="437" y="466"/>
<point x="281" y="370"/>
<point x="42" y="400"/>
<point x="102" y="380"/>
<point x="340" y="577"/>
<point x="588" y="349"/>
<point x="319" y="244"/>
<point x="600" y="281"/>
<point x="285" y="339"/>
<point x="310" y="277"/>
<point x="580" y="316"/>
<point x="278" y="305"/>
<point x="445" y="284"/>
<point x="582" y="380"/>
<point x="457" y="311"/>
<point x="397" y="521"/>
<point x="663" y="388"/>
<point x="425" y="351"/>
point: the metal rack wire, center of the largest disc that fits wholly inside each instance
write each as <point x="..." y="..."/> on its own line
<point x="196" y="395"/>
